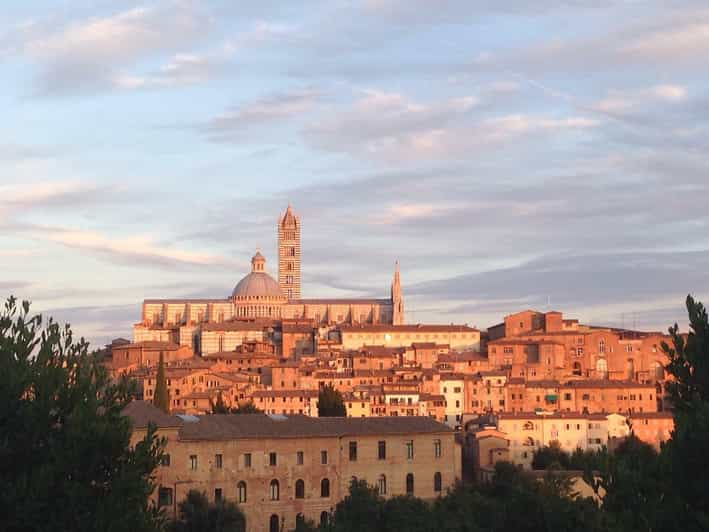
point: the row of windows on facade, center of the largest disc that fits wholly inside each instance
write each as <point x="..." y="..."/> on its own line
<point x="300" y="455"/>
<point x="165" y="494"/>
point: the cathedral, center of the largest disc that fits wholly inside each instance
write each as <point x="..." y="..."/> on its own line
<point x="260" y="305"/>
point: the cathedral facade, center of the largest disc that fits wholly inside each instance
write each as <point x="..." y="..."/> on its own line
<point x="259" y="305"/>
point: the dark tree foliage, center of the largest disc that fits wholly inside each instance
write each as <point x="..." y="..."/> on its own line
<point x="685" y="455"/>
<point x="198" y="515"/>
<point x="330" y="402"/>
<point x="512" y="501"/>
<point x="247" y="408"/>
<point x="66" y="462"/>
<point x="161" y="399"/>
<point x="219" y="406"/>
<point x="554" y="457"/>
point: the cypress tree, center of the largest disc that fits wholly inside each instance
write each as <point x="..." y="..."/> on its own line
<point x="161" y="399"/>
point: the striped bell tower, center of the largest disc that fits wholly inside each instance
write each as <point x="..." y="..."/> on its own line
<point x="289" y="254"/>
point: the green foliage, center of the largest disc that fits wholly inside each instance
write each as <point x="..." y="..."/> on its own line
<point x="553" y="456"/>
<point x="247" y="408"/>
<point x="359" y="510"/>
<point x="685" y="455"/>
<point x="219" y="407"/>
<point x="161" y="399"/>
<point x="198" y="515"/>
<point x="66" y="462"/>
<point x="330" y="402"/>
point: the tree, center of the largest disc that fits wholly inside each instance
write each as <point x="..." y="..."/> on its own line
<point x="330" y="402"/>
<point x="161" y="399"/>
<point x="247" y="408"/>
<point x="198" y="515"/>
<point x="685" y="454"/>
<point x="66" y="460"/>
<point x="359" y="510"/>
<point x="219" y="407"/>
<point x="551" y="455"/>
<point x="406" y="513"/>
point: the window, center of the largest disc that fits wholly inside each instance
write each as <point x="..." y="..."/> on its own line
<point x="247" y="460"/>
<point x="410" y="484"/>
<point x="585" y="397"/>
<point x="165" y="460"/>
<point x="324" y="488"/>
<point x="382" y="485"/>
<point x="299" y="489"/>
<point x="567" y="397"/>
<point x="299" y="458"/>
<point x="165" y="497"/>
<point x="272" y="459"/>
<point x="323" y="457"/>
<point x="273" y="490"/>
<point x="602" y="368"/>
<point x="382" y="450"/>
<point x="410" y="449"/>
<point x="218" y="461"/>
<point x="193" y="462"/>
<point x="437" y="448"/>
<point x="241" y="492"/>
<point x="324" y="519"/>
<point x="437" y="482"/>
<point x="353" y="451"/>
<point x="217" y="494"/>
<point x="274" y="524"/>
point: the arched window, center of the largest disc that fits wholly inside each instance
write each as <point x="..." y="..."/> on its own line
<point x="602" y="368"/>
<point x="437" y="482"/>
<point x="324" y="488"/>
<point x="241" y="492"/>
<point x="410" y="484"/>
<point x="274" y="524"/>
<point x="658" y="371"/>
<point x="601" y="346"/>
<point x="299" y="489"/>
<point x="299" y="521"/>
<point x="324" y="518"/>
<point x="273" y="491"/>
<point x="577" y="368"/>
<point x="382" y="485"/>
<point x="630" y="369"/>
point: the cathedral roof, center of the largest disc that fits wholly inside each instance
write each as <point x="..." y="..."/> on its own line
<point x="257" y="284"/>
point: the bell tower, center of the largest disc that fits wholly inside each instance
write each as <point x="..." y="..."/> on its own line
<point x="397" y="299"/>
<point x="289" y="254"/>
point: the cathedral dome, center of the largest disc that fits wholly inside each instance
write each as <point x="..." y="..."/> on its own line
<point x="258" y="283"/>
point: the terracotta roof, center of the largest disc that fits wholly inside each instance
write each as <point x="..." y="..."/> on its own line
<point x="408" y="328"/>
<point x="599" y="383"/>
<point x="225" y="300"/>
<point x="339" y="301"/>
<point x="143" y="412"/>
<point x="237" y="325"/>
<point x="248" y="426"/>
<point x="285" y="393"/>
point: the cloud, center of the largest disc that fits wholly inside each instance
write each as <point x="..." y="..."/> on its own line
<point x="620" y="101"/>
<point x="86" y="53"/>
<point x="264" y="111"/>
<point x="393" y="128"/>
<point x="49" y="193"/>
<point x="133" y="249"/>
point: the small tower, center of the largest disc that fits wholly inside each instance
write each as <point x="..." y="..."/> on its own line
<point x="397" y="299"/>
<point x="289" y="254"/>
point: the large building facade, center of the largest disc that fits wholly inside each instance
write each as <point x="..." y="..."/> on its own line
<point x="282" y="469"/>
<point x="259" y="304"/>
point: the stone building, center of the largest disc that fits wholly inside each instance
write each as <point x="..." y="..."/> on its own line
<point x="280" y="469"/>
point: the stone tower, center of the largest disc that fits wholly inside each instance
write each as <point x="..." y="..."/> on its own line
<point x="397" y="299"/>
<point x="289" y="254"/>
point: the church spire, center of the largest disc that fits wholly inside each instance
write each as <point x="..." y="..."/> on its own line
<point x="397" y="299"/>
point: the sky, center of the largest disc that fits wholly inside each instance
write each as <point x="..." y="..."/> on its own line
<point x="510" y="154"/>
